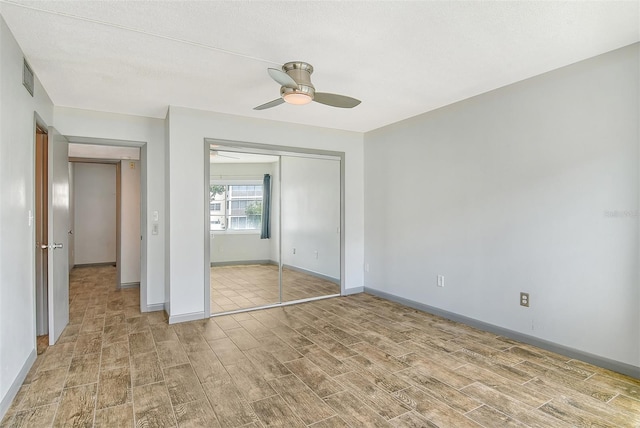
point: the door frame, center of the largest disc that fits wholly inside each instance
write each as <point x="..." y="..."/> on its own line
<point x="41" y="302"/>
<point x="274" y="150"/>
<point x="142" y="145"/>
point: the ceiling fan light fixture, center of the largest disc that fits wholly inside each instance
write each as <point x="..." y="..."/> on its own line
<point x="297" y="98"/>
<point x="296" y="88"/>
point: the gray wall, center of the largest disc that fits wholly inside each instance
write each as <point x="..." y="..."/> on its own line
<point x="187" y="130"/>
<point x="130" y="221"/>
<point x="94" y="213"/>
<point x="514" y="191"/>
<point x="113" y="130"/>
<point x="311" y="214"/>
<point x="17" y="202"/>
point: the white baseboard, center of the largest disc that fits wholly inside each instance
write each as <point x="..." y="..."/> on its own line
<point x="354" y="290"/>
<point x="312" y="273"/>
<point x="129" y="285"/>
<point x="17" y="383"/>
<point x="193" y="316"/>
<point x="83" y="265"/>
<point x="243" y="262"/>
<point x="155" y="307"/>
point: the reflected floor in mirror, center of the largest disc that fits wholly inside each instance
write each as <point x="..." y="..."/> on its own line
<point x="248" y="286"/>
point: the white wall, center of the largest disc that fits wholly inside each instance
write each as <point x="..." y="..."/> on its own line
<point x="311" y="214"/>
<point x="111" y="126"/>
<point x="187" y="130"/>
<point x="94" y="214"/>
<point x="130" y="221"/>
<point x="510" y="191"/>
<point x="17" y="235"/>
<point x="240" y="247"/>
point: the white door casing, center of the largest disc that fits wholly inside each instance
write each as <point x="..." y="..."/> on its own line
<point x="58" y="221"/>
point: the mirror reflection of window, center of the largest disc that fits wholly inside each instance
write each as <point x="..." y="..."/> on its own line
<point x="238" y="206"/>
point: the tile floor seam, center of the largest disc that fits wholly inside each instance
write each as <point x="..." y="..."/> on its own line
<point x="95" y="411"/>
<point x="133" y="401"/>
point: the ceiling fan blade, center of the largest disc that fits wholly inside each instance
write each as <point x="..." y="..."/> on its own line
<point x="270" y="104"/>
<point x="335" y="100"/>
<point x="282" y="78"/>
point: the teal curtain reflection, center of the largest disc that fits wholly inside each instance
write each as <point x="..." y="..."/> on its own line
<point x="266" y="207"/>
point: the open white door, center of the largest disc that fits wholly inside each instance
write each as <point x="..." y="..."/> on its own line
<point x="58" y="274"/>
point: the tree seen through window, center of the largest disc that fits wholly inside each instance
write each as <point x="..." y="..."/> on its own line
<point x="235" y="207"/>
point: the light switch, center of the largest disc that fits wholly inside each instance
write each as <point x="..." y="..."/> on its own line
<point x="155" y="216"/>
<point x="154" y="229"/>
<point x="132" y="165"/>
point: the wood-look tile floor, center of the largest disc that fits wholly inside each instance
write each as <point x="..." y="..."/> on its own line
<point x="249" y="286"/>
<point x="356" y="361"/>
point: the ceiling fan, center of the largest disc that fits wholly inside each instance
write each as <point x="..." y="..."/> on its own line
<point x="296" y="88"/>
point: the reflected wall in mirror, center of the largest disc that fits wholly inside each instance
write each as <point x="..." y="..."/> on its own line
<point x="244" y="265"/>
<point x="310" y="206"/>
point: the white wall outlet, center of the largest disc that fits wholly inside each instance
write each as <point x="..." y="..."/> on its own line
<point x="440" y="280"/>
<point x="366" y="267"/>
<point x="154" y="229"/>
<point x="524" y="299"/>
<point x="155" y="216"/>
<point x="316" y="253"/>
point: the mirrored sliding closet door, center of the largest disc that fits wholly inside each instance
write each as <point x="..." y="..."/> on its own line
<point x="310" y="227"/>
<point x="274" y="227"/>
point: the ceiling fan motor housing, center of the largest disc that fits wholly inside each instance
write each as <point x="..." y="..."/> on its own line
<point x="301" y="73"/>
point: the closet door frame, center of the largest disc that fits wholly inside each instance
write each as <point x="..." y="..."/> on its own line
<point x="274" y="150"/>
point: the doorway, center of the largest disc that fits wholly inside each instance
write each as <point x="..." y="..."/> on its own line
<point x="106" y="210"/>
<point x="274" y="221"/>
<point x="41" y="231"/>
<point x="54" y="235"/>
<point x="132" y="247"/>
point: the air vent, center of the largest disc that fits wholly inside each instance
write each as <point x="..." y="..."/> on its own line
<point x="27" y="77"/>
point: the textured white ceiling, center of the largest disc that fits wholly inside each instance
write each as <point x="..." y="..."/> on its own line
<point x="400" y="58"/>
